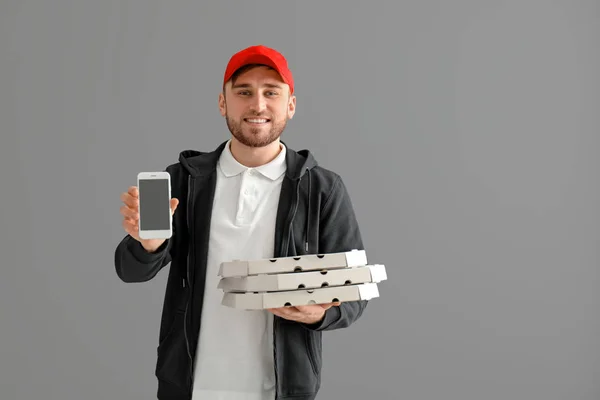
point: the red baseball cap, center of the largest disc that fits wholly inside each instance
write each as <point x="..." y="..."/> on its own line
<point x="260" y="55"/>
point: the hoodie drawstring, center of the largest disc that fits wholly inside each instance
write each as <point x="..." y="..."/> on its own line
<point x="307" y="226"/>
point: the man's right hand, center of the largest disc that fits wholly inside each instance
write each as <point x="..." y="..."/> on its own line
<point x="131" y="217"/>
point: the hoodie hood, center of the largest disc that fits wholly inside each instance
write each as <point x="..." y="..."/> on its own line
<point x="199" y="163"/>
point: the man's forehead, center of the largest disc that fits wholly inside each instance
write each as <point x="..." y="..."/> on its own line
<point x="261" y="81"/>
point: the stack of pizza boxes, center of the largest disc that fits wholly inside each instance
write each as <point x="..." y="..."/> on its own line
<point x="300" y="280"/>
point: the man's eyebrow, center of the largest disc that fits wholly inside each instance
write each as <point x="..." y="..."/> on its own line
<point x="247" y="85"/>
<point x="273" y="85"/>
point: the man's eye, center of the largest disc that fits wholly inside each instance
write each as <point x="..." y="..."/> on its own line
<point x="271" y="93"/>
<point x="244" y="92"/>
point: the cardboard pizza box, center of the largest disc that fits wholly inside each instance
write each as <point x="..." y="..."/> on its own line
<point x="311" y="262"/>
<point x="260" y="301"/>
<point x="304" y="280"/>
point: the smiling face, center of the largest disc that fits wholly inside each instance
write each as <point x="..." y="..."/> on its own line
<point x="257" y="105"/>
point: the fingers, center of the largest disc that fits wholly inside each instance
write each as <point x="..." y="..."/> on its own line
<point x="277" y="312"/>
<point x="306" y="309"/>
<point x="129" y="213"/>
<point x="174" y="204"/>
<point x="286" y="309"/>
<point x="129" y="200"/>
<point x="133" y="192"/>
<point x="131" y="227"/>
<point x="329" y="305"/>
<point x="286" y="312"/>
<point x="307" y="314"/>
<point x="129" y="210"/>
<point x="302" y="310"/>
<point x="314" y="307"/>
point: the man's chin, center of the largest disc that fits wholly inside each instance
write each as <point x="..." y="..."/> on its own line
<point x="256" y="139"/>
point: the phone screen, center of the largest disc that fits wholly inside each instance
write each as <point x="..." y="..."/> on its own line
<point x="154" y="204"/>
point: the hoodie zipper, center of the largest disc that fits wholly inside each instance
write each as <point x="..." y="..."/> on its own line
<point x="190" y="244"/>
<point x="284" y="251"/>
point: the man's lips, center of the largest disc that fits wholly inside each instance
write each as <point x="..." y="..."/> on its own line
<point x="257" y="121"/>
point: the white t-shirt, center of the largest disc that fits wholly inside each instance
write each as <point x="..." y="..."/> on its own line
<point x="234" y="359"/>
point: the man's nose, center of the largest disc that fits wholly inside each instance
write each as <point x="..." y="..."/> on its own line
<point x="259" y="103"/>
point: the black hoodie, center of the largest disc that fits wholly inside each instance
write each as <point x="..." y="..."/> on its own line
<point x="315" y="216"/>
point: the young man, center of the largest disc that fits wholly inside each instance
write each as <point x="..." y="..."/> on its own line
<point x="250" y="198"/>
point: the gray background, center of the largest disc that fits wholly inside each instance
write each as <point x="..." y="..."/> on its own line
<point x="467" y="133"/>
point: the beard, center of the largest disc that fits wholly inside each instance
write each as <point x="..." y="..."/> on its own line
<point x="255" y="137"/>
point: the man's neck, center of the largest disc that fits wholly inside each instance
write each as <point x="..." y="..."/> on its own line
<point x="253" y="157"/>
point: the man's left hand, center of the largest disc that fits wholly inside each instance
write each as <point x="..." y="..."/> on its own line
<point x="305" y="314"/>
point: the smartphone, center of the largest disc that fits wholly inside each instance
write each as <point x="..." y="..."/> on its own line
<point x="155" y="219"/>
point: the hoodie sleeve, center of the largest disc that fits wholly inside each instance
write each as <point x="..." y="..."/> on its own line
<point x="339" y="233"/>
<point x="133" y="263"/>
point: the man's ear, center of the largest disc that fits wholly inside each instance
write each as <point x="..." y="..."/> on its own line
<point x="222" y="104"/>
<point x="291" y="106"/>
